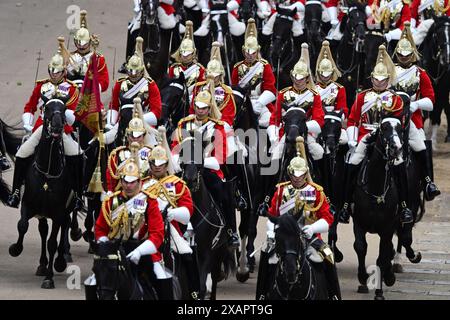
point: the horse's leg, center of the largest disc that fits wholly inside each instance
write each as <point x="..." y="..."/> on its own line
<point x="203" y="274"/>
<point x="384" y="262"/>
<point x="398" y="268"/>
<point x="61" y="260"/>
<point x="407" y="238"/>
<point x="43" y="261"/>
<point x="243" y="272"/>
<point x="22" y="226"/>
<point x="360" y="246"/>
<point x="52" y="244"/>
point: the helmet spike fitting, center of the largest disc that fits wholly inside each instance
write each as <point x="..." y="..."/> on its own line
<point x="129" y="170"/>
<point x="302" y="68"/>
<point x="187" y="46"/>
<point x="384" y="67"/>
<point x="251" y="38"/>
<point x="135" y="64"/>
<point x="406" y="45"/>
<point x="136" y="126"/>
<point x="325" y="63"/>
<point x="215" y="66"/>
<point x="59" y="61"/>
<point x="82" y="37"/>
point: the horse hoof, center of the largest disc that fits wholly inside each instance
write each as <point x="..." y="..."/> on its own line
<point x="60" y="264"/>
<point x="363" y="289"/>
<point x="41" y="271"/>
<point x="338" y="256"/>
<point x="68" y="258"/>
<point x="379" y="298"/>
<point x="88" y="236"/>
<point x="90" y="250"/>
<point x="397" y="268"/>
<point x="389" y="279"/>
<point x="251" y="268"/>
<point x="15" y="249"/>
<point x="417" y="258"/>
<point x="48" y="284"/>
<point x="76" y="235"/>
<point x="242" y="277"/>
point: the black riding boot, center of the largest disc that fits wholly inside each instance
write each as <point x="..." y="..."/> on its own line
<point x="4" y="163"/>
<point x="406" y="215"/>
<point x="164" y="289"/>
<point x="334" y="290"/>
<point x="350" y="172"/>
<point x="431" y="190"/>
<point x="193" y="277"/>
<point x="19" y="175"/>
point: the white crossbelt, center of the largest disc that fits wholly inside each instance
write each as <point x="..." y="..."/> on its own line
<point x="251" y="72"/>
<point x="136" y="88"/>
<point x="368" y="105"/>
<point x="325" y="92"/>
<point x="189" y="71"/>
<point x="301" y="98"/>
<point x="424" y="5"/>
<point x="129" y="204"/>
<point x="406" y="74"/>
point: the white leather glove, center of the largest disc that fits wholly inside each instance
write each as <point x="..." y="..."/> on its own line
<point x="333" y="13"/>
<point x="320" y="226"/>
<point x="232" y="5"/>
<point x="265" y="9"/>
<point x="352" y="135"/>
<point x="352" y="144"/>
<point x="102" y="239"/>
<point x="27" y="119"/>
<point x="413" y="106"/>
<point x="313" y="127"/>
<point x="180" y="214"/>
<point x="343" y="139"/>
<point x="150" y="119"/>
<point x="211" y="163"/>
<point x="146" y="248"/>
<point x="257" y="107"/>
<point x="70" y="117"/>
<point x="424" y="104"/>
<point x="368" y="10"/>
<point x="393" y="35"/>
<point x="272" y="132"/>
<point x="270" y="230"/>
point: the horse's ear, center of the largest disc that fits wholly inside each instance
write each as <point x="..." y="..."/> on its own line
<point x="273" y="219"/>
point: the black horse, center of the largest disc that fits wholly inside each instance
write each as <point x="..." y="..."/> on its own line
<point x="314" y="31"/>
<point x="47" y="194"/>
<point x="350" y="50"/>
<point x="332" y="175"/>
<point x="376" y="202"/>
<point x="296" y="277"/>
<point x="212" y="251"/>
<point x="436" y="60"/>
<point x="118" y="278"/>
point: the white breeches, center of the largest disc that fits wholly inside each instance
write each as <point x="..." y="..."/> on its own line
<point x="27" y="149"/>
<point x="237" y="28"/>
<point x="297" y="26"/>
<point x="264" y="118"/>
<point x="416" y="138"/>
<point x="166" y="21"/>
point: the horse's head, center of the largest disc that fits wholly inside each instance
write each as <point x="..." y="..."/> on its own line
<point x="173" y="98"/>
<point x="150" y="11"/>
<point x="247" y="10"/>
<point x="355" y="29"/>
<point x="107" y="260"/>
<point x="441" y="41"/>
<point x="191" y="156"/>
<point x="331" y="130"/>
<point x="54" y="118"/>
<point x="282" y="28"/>
<point x="313" y="20"/>
<point x="294" y="123"/>
<point x="289" y="246"/>
<point x="391" y="136"/>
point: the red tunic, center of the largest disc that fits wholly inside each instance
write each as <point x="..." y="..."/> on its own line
<point x="313" y="111"/>
<point x="425" y="91"/>
<point x="220" y="142"/>
<point x="227" y="106"/>
<point x="201" y="74"/>
<point x="358" y="120"/>
<point x="36" y="99"/>
<point x="155" y="225"/>
<point x="152" y="103"/>
<point x="322" y="213"/>
<point x="103" y="74"/>
<point x="405" y="14"/>
<point x="340" y="103"/>
<point x="415" y="10"/>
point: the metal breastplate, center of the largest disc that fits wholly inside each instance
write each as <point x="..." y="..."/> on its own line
<point x="208" y="126"/>
<point x="193" y="77"/>
<point x="410" y="83"/>
<point x="257" y="77"/>
<point x="373" y="115"/>
<point x="330" y="99"/>
<point x="127" y="85"/>
<point x="50" y="91"/>
<point x="79" y="65"/>
<point x="144" y="154"/>
<point x="136" y="216"/>
<point x="430" y="11"/>
<point x="305" y="195"/>
<point x="290" y="96"/>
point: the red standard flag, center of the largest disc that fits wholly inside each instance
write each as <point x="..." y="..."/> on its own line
<point x="89" y="105"/>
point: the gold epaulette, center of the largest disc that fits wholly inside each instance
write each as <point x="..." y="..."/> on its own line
<point x="42" y="80"/>
<point x="338" y="84"/>
<point x="186" y="119"/>
<point x="114" y="194"/>
<point x="264" y="61"/>
<point x="314" y="91"/>
<point x="150" y="195"/>
<point x="315" y="185"/>
<point x="200" y="83"/>
<point x="122" y="79"/>
<point x="285" y="89"/>
<point x="282" y="184"/>
<point x="150" y="80"/>
<point x="219" y="122"/>
<point x="238" y="64"/>
<point x="171" y="179"/>
<point x="71" y="82"/>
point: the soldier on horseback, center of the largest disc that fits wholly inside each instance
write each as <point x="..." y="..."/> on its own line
<point x="332" y="94"/>
<point x="137" y="84"/>
<point x="289" y="197"/>
<point x="301" y="94"/>
<point x="415" y="81"/>
<point x="122" y="216"/>
<point x="364" y="121"/>
<point x="205" y="121"/>
<point x="172" y="192"/>
<point x="80" y="58"/>
<point x="255" y="75"/>
<point x="186" y="60"/>
<point x="55" y="87"/>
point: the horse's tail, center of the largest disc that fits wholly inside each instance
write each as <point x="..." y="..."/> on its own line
<point x="4" y="191"/>
<point x="11" y="140"/>
<point x="228" y="261"/>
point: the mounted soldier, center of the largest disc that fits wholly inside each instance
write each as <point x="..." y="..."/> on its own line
<point x="55" y="87"/>
<point x="363" y="122"/>
<point x="80" y="58"/>
<point x="137" y="84"/>
<point x="415" y="81"/>
<point x="256" y="76"/>
<point x="205" y="121"/>
<point x="186" y="60"/>
<point x="301" y="94"/>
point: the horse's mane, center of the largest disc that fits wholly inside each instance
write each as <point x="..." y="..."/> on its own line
<point x="288" y="224"/>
